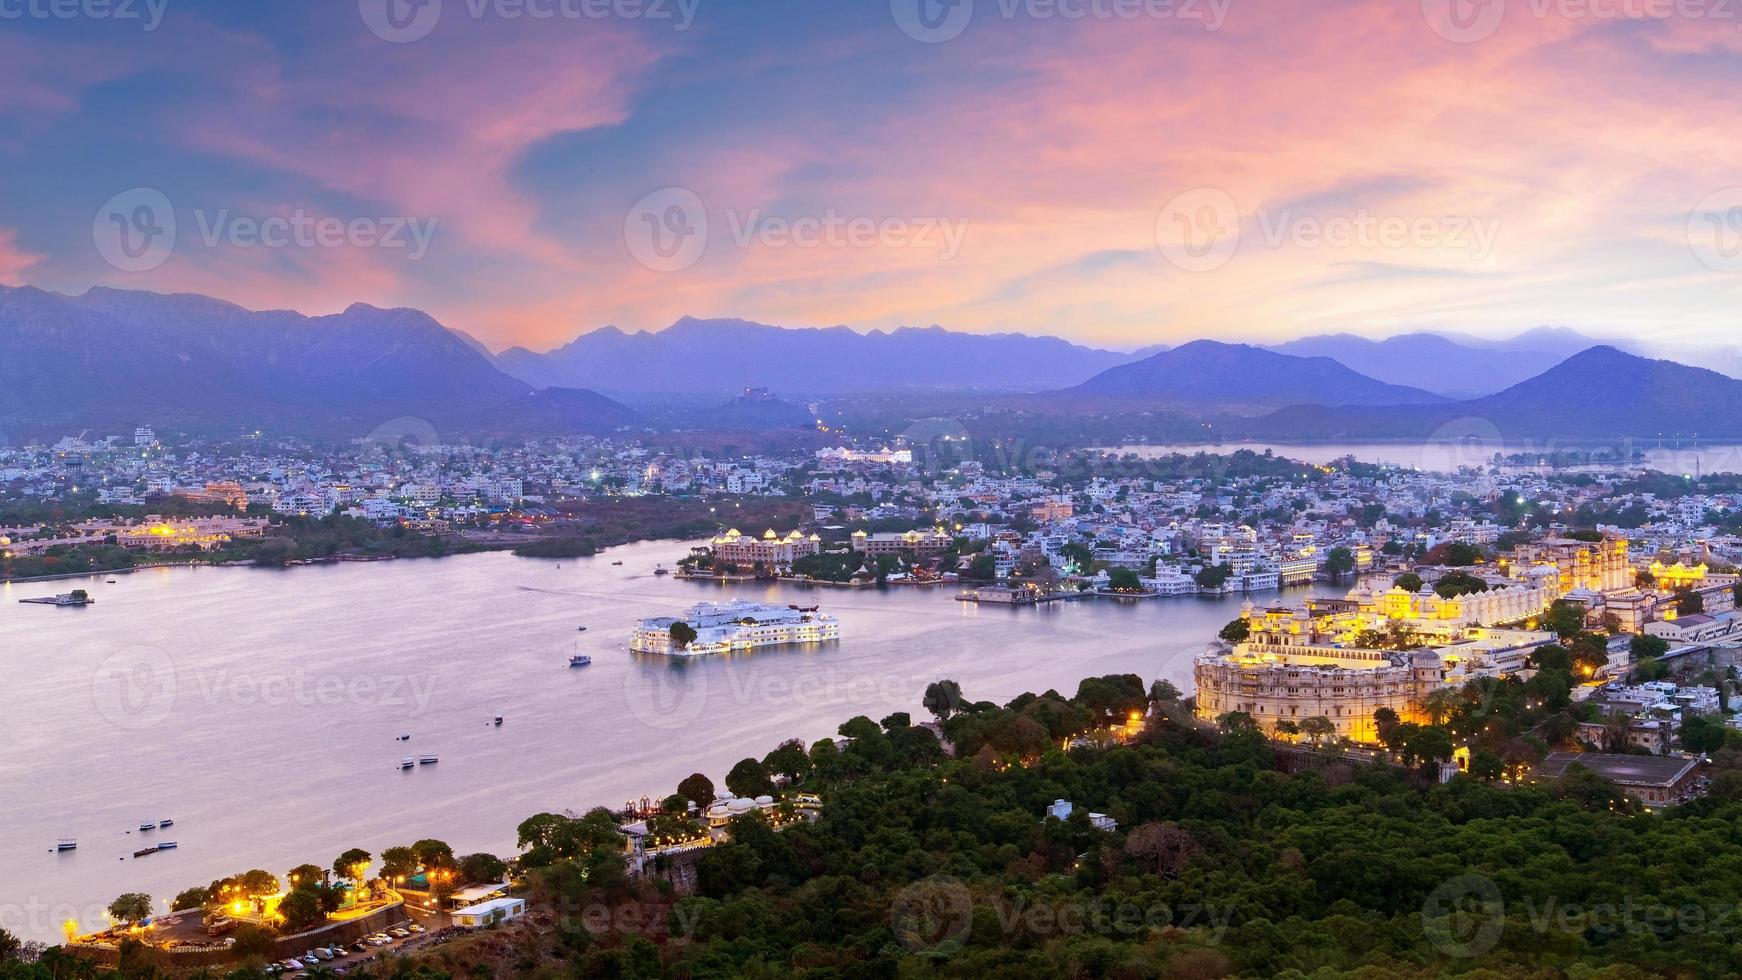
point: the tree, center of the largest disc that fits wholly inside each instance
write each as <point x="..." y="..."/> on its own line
<point x="1564" y="618"/>
<point x="749" y="778"/>
<point x="1384" y="721"/>
<point x="397" y="863"/>
<point x="1339" y="562"/>
<point x="1161" y="847"/>
<point x="1644" y="646"/>
<point x="1235" y="721"/>
<point x="1163" y="691"/>
<point x="1688" y="602"/>
<point x="1702" y="733"/>
<point x="1318" y="729"/>
<point x="352" y="865"/>
<point x="1454" y="584"/>
<point x="1408" y="582"/>
<point x="131" y="907"/>
<point x="1214" y="576"/>
<point x="789" y="760"/>
<point x="1237" y="630"/>
<point x="682" y="634"/>
<point x="943" y="699"/>
<point x="306" y="876"/>
<point x="433" y="854"/>
<point x="10" y="946"/>
<point x="301" y="909"/>
<point x="191" y="898"/>
<point x="482" y="867"/>
<point x="1124" y="580"/>
<point x="698" y="789"/>
<point x="251" y="940"/>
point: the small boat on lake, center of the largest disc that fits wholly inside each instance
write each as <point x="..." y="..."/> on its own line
<point x="661" y="570"/>
<point x="147" y="825"/>
<point x="580" y="660"/>
<point x="428" y="760"/>
<point x="404" y="738"/>
<point x="66" y="844"/>
<point x="616" y="563"/>
<point x="164" y="845"/>
<point x="143" y="851"/>
<point x="580" y="629"/>
<point x="407" y="763"/>
<point x="498" y="721"/>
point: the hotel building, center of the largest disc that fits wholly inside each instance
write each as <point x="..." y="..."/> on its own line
<point x="771" y="550"/>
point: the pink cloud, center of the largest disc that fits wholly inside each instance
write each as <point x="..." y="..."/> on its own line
<point x="14" y="260"/>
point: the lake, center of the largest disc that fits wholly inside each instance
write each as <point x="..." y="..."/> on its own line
<point x="260" y="708"/>
<point x="1475" y="447"/>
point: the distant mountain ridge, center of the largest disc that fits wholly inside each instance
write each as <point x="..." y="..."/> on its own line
<point x="1599" y="393"/>
<point x="1457" y="368"/>
<point x="729" y="355"/>
<point x="1211" y="374"/>
<point x="116" y="358"/>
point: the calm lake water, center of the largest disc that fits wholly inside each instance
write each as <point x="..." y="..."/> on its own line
<point x="259" y="708"/>
<point x="1469" y="445"/>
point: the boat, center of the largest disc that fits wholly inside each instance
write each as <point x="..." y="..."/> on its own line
<point x="407" y="762"/>
<point x="427" y="760"/>
<point x="580" y="629"/>
<point x="164" y="845"/>
<point x="143" y="851"/>
<point x="661" y="570"/>
<point x="163" y="824"/>
<point x="147" y="825"/>
<point x="616" y="563"/>
<point x="580" y="660"/>
<point x="498" y="720"/>
<point x="77" y="597"/>
<point x="111" y="581"/>
<point x="404" y="737"/>
<point x="66" y="844"/>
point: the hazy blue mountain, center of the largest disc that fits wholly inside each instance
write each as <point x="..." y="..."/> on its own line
<point x="1207" y="374"/>
<point x="1599" y="393"/>
<point x="1439" y="364"/>
<point x="115" y="358"/>
<point x="728" y="355"/>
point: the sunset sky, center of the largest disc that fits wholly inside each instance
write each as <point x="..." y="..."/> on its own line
<point x="1375" y="167"/>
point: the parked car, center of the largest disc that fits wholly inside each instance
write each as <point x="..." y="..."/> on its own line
<point x="399" y="933"/>
<point x="414" y="927"/>
<point x="293" y="964"/>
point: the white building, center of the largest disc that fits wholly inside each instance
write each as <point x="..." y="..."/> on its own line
<point x="486" y="914"/>
<point x="724" y="627"/>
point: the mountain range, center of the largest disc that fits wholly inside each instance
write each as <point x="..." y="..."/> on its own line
<point x="112" y="358"/>
<point x="1599" y="393"/>
<point x="727" y="356"/>
<point x="1466" y="367"/>
<point x="1241" y="376"/>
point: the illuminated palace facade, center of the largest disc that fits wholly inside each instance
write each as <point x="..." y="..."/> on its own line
<point x="1343" y="659"/>
<point x="771" y="549"/>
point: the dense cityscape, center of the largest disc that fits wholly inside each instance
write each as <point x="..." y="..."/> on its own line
<point x="926" y="490"/>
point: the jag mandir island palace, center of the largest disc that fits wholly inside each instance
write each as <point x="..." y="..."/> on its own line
<point x="727" y="627"/>
<point x="1343" y="659"/>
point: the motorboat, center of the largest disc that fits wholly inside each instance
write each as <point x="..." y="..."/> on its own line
<point x="407" y="762"/>
<point x="164" y="845"/>
<point x="143" y="851"/>
<point x="498" y="721"/>
<point x="66" y="844"/>
<point x="148" y="825"/>
<point x="404" y="737"/>
<point x="165" y="824"/>
<point x="427" y="760"/>
<point x="580" y="660"/>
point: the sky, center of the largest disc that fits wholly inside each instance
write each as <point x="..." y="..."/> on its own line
<point x="1117" y="172"/>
